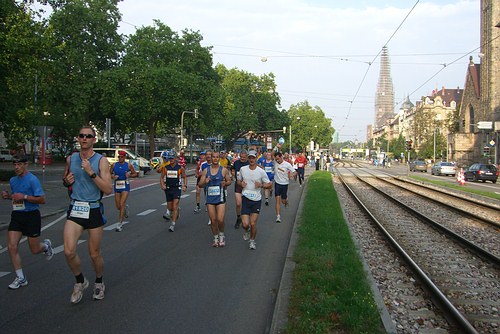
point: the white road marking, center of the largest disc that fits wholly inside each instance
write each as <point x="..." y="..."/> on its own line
<point x="147" y="212"/>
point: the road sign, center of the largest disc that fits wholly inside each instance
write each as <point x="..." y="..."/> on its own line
<point x="485" y="125"/>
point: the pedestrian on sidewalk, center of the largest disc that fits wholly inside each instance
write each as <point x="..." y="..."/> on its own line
<point x="87" y="173"/>
<point x="26" y="195"/>
<point x="121" y="171"/>
<point x="252" y="179"/>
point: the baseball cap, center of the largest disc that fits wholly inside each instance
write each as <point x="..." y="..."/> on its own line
<point x="122" y="153"/>
<point x="19" y="158"/>
<point x="252" y="153"/>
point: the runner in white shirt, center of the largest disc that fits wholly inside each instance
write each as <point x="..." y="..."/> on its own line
<point x="283" y="172"/>
<point x="252" y="179"/>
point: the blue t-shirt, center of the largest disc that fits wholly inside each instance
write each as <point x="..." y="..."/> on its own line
<point x="29" y="185"/>
<point x="84" y="188"/>
<point x="269" y="168"/>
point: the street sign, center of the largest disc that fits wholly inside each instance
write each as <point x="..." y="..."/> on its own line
<point x="492" y="143"/>
<point x="485" y="125"/>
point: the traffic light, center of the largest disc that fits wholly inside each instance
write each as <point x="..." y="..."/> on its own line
<point x="486" y="151"/>
<point x="284" y="129"/>
<point x="196" y="113"/>
<point x="408" y="145"/>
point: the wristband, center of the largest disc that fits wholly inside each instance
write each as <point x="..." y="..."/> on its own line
<point x="66" y="183"/>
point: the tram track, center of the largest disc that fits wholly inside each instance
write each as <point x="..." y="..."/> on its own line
<point x="465" y="286"/>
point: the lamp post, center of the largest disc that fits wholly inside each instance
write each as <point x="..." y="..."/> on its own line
<point x="195" y="112"/>
<point x="290" y="133"/>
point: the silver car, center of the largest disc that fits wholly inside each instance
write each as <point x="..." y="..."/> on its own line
<point x="444" y="168"/>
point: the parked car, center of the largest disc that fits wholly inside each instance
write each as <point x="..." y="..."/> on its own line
<point x="418" y="165"/>
<point x="444" y="168"/>
<point x="482" y="172"/>
<point x="111" y="154"/>
<point x="5" y="155"/>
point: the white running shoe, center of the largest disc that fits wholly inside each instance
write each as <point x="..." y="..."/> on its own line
<point x="216" y="241"/>
<point x="49" y="252"/>
<point x="98" y="291"/>
<point x="171" y="228"/>
<point x="166" y="215"/>
<point x="18" y="282"/>
<point x="209" y="221"/>
<point x="222" y="240"/>
<point x="278" y="219"/>
<point x="119" y="228"/>
<point x="246" y="234"/>
<point x="78" y="289"/>
<point x="252" y="245"/>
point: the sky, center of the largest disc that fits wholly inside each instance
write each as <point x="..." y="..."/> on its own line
<point x="327" y="51"/>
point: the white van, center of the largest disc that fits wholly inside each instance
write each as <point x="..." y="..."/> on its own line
<point x="136" y="160"/>
<point x="5" y="155"/>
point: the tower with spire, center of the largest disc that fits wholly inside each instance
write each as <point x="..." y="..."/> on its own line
<point x="384" y="100"/>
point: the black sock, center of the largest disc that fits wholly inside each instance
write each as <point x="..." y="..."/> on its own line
<point x="79" y="278"/>
<point x="98" y="279"/>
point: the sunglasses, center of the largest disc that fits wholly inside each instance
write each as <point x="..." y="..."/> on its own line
<point x="86" y="135"/>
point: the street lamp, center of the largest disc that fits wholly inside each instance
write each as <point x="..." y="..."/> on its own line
<point x="195" y="112"/>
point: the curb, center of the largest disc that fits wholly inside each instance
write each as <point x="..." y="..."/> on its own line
<point x="280" y="314"/>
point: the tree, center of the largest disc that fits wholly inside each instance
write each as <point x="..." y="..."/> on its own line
<point x="21" y="44"/>
<point x="250" y="103"/>
<point x="84" y="43"/>
<point x="162" y="75"/>
<point x="309" y="123"/>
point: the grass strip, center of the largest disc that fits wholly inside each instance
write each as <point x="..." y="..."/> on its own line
<point x="463" y="188"/>
<point x="330" y="292"/>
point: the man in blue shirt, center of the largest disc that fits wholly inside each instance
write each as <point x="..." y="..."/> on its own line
<point x="27" y="195"/>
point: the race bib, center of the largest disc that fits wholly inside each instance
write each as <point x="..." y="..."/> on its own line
<point x="80" y="210"/>
<point x="171" y="174"/>
<point x="120" y="184"/>
<point x="269" y="169"/>
<point x="18" y="205"/>
<point x="301" y="165"/>
<point x="250" y="194"/>
<point x="213" y="191"/>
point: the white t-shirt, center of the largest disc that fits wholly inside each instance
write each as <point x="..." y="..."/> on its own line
<point x="250" y="177"/>
<point x="281" y="172"/>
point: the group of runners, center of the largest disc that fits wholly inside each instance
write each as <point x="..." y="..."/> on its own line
<point x="88" y="176"/>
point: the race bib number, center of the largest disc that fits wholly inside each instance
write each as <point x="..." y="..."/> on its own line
<point x="250" y="194"/>
<point x="80" y="210"/>
<point x="301" y="165"/>
<point x="18" y="205"/>
<point x="269" y="169"/>
<point x="213" y="191"/>
<point x="120" y="184"/>
<point x="171" y="174"/>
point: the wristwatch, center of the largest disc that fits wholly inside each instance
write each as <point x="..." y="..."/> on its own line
<point x="93" y="175"/>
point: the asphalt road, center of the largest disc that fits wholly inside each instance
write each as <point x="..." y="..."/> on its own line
<point x="156" y="281"/>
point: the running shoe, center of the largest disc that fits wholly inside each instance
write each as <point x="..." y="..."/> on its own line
<point x="209" y="221"/>
<point x="49" y="252"/>
<point x="166" y="215"/>
<point x="222" y="240"/>
<point x="119" y="228"/>
<point x="78" y="289"/>
<point x="246" y="234"/>
<point x="216" y="241"/>
<point x="98" y="291"/>
<point x="18" y="282"/>
<point x="238" y="223"/>
<point x="197" y="209"/>
<point x="267" y="202"/>
<point x="126" y="211"/>
<point x="278" y="219"/>
<point x="252" y="245"/>
<point x="171" y="228"/>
